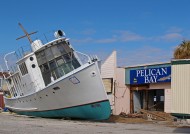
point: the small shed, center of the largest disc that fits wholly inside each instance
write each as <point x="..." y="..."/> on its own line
<point x="180" y="85"/>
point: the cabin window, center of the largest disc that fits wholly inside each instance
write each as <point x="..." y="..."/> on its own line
<point x="60" y="69"/>
<point x="75" y="63"/>
<point x="52" y="65"/>
<point x="55" y="51"/>
<point x="67" y="48"/>
<point x="66" y="57"/>
<point x="23" y="69"/>
<point x="49" y="54"/>
<point x="44" y="68"/>
<point x="56" y="61"/>
<point x="60" y="61"/>
<point x="54" y="71"/>
<point x="46" y="73"/>
<point x="61" y="49"/>
<point x="41" y="57"/>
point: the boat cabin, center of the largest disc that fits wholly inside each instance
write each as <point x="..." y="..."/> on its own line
<point x="43" y="66"/>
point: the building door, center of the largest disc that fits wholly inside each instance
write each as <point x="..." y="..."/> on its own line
<point x="148" y="99"/>
<point x="138" y="100"/>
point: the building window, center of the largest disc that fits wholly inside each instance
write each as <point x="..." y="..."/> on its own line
<point x="23" y="69"/>
<point x="108" y="84"/>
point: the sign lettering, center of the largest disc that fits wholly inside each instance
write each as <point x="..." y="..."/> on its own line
<point x="150" y="75"/>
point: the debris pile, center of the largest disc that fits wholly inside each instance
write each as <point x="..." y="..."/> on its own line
<point x="156" y="115"/>
<point x="144" y="116"/>
<point x="135" y="115"/>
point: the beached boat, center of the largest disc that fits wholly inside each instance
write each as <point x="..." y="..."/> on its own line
<point x="55" y="81"/>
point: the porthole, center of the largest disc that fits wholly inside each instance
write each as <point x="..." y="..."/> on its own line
<point x="31" y="58"/>
<point x="33" y="65"/>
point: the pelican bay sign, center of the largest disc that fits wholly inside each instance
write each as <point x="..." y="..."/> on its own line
<point x="150" y="75"/>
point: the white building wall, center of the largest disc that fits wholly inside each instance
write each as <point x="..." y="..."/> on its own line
<point x="168" y="101"/>
<point x="181" y="88"/>
<point x="122" y="93"/>
<point x="108" y="70"/>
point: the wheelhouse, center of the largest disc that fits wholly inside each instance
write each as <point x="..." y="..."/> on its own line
<point x="56" y="59"/>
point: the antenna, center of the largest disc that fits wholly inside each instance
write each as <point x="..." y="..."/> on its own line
<point x="26" y="34"/>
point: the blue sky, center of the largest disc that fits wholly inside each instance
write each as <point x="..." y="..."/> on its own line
<point x="141" y="31"/>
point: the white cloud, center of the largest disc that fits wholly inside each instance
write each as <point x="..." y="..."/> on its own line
<point x="174" y="30"/>
<point x="171" y="37"/>
<point x="118" y="36"/>
<point x="88" y="32"/>
<point x="85" y="40"/>
<point x="143" y="55"/>
<point x="108" y="40"/>
<point x="126" y="36"/>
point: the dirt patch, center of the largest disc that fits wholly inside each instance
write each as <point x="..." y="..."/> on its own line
<point x="119" y="119"/>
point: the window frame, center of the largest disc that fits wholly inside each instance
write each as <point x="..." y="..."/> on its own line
<point x="110" y="91"/>
<point x="23" y="68"/>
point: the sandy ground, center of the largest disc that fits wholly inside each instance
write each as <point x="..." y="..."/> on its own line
<point x="16" y="124"/>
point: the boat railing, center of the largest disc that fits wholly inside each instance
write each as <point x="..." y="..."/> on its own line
<point x="22" y="51"/>
<point x="10" y="62"/>
<point x="82" y="58"/>
<point x="26" y="49"/>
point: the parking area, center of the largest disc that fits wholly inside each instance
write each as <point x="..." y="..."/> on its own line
<point x="12" y="123"/>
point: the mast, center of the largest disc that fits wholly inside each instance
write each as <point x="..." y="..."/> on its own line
<point x="26" y="34"/>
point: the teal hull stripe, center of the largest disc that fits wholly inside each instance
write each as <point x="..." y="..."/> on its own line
<point x="95" y="111"/>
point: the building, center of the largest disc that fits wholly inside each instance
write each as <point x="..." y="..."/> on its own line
<point x="108" y="73"/>
<point x="150" y="87"/>
<point x="138" y="87"/>
<point x="114" y="82"/>
<point x="180" y="85"/>
<point x="3" y="88"/>
<point x="155" y="87"/>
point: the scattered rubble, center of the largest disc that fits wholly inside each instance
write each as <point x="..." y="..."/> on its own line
<point x="144" y="116"/>
<point x="156" y="115"/>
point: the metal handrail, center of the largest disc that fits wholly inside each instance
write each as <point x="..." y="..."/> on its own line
<point x="88" y="57"/>
<point x="6" y="62"/>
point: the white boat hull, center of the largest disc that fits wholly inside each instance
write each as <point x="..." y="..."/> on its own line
<point x="80" y="94"/>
